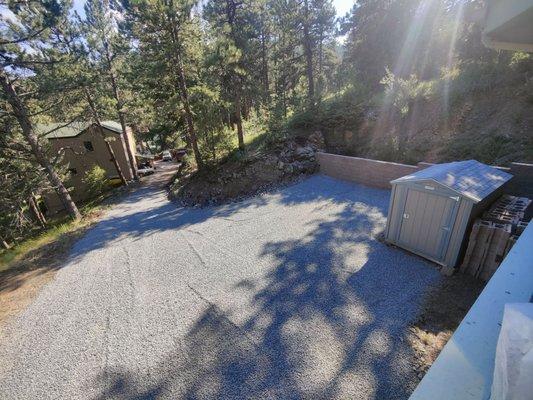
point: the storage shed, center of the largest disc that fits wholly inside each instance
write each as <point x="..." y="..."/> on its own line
<point x="431" y="210"/>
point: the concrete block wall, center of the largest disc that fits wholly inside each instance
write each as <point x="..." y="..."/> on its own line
<point x="378" y="174"/>
<point x="368" y="172"/>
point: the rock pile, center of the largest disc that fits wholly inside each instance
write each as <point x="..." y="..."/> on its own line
<point x="286" y="161"/>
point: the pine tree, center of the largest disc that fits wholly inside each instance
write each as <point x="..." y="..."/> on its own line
<point x="32" y="44"/>
<point x="166" y="25"/>
<point x="108" y="48"/>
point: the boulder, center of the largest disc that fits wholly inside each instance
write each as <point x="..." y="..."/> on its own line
<point x="289" y="169"/>
<point x="316" y="140"/>
<point x="303" y="153"/>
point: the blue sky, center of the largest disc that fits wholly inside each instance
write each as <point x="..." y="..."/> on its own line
<point x="342" y="6"/>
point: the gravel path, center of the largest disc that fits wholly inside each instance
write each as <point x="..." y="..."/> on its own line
<point x="287" y="295"/>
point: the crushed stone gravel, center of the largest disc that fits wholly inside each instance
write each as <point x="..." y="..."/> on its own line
<point x="287" y="295"/>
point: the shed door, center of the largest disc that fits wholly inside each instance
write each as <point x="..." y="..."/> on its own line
<point x="427" y="222"/>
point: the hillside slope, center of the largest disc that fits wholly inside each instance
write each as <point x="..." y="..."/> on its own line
<point x="493" y="126"/>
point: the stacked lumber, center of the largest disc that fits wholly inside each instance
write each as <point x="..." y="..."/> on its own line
<point x="493" y="236"/>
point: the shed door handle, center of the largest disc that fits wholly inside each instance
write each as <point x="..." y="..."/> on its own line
<point x="446" y="228"/>
<point x="406" y="216"/>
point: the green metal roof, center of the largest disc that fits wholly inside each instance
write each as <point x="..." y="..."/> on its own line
<point x="112" y="126"/>
<point x="59" y="130"/>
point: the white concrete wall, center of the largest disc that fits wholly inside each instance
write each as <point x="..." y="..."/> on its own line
<point x="464" y="368"/>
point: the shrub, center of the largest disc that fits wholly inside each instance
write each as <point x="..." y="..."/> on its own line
<point x="401" y="92"/>
<point x="474" y="77"/>
<point x="341" y="110"/>
<point x="96" y="181"/>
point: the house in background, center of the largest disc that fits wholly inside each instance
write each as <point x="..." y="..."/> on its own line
<point x="81" y="146"/>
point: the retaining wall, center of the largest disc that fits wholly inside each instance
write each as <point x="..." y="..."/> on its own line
<point x="378" y="174"/>
<point x="368" y="172"/>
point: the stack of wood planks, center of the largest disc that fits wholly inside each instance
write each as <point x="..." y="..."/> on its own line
<point x="494" y="235"/>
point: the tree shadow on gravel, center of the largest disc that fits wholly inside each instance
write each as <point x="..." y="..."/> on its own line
<point x="328" y="323"/>
<point x="163" y="215"/>
<point x="327" y="320"/>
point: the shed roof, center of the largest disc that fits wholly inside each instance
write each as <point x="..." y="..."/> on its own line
<point x="468" y="178"/>
<point x="60" y="130"/>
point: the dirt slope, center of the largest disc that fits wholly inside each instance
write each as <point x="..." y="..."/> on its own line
<point x="494" y="126"/>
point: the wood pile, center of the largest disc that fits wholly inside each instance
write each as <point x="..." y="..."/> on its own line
<point x="494" y="235"/>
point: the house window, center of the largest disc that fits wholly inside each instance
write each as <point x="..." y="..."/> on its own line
<point x="88" y="146"/>
<point x="73" y="171"/>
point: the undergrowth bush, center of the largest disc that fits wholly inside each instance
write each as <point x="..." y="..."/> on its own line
<point x="348" y="118"/>
<point x="341" y="110"/>
<point x="470" y="78"/>
<point x="401" y="92"/>
<point x="492" y="149"/>
<point x="96" y="181"/>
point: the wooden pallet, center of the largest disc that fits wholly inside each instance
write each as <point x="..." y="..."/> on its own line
<point x="496" y="251"/>
<point x="520" y="227"/>
<point x="510" y="243"/>
<point x="493" y="236"/>
<point x="478" y="245"/>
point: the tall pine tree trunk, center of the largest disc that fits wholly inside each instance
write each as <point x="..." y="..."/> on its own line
<point x="238" y="116"/>
<point x="19" y="110"/>
<point x="120" y="113"/>
<point x="184" y="94"/>
<point x="110" y="150"/>
<point x="308" y="50"/>
<point x="320" y="80"/>
<point x="264" y="63"/>
<point x="231" y="11"/>
<point x="37" y="214"/>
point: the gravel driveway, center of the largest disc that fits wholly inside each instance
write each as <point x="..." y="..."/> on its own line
<point x="285" y="296"/>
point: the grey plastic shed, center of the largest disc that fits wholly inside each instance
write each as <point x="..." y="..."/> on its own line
<point x="431" y="210"/>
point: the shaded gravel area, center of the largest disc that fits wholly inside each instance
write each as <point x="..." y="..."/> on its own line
<point x="283" y="296"/>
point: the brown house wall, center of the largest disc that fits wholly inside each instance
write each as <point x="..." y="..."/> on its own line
<point x="76" y="156"/>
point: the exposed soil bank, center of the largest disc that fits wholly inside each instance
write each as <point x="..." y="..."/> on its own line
<point x="284" y="162"/>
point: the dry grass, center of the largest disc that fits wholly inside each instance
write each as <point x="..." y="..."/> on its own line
<point x="27" y="267"/>
<point x="443" y="310"/>
<point x="32" y="263"/>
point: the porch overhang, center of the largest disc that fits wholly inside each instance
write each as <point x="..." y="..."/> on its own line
<point x="509" y="25"/>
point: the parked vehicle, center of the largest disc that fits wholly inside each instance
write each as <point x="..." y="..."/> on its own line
<point x="179" y="154"/>
<point x="146" y="163"/>
<point x="166" y="156"/>
<point x="145" y="171"/>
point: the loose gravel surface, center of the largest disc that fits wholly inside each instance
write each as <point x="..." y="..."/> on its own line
<point x="283" y="296"/>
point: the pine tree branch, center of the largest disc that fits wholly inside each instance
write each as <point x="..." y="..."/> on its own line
<point x="59" y="126"/>
<point x="25" y="38"/>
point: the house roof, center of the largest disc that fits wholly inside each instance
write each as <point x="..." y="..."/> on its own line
<point x="468" y="178"/>
<point x="60" y="130"/>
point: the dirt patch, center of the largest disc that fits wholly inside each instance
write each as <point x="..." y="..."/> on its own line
<point x="283" y="163"/>
<point x="443" y="310"/>
<point x="22" y="281"/>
